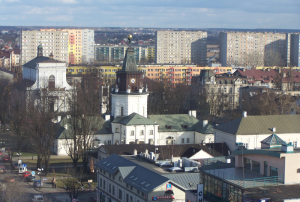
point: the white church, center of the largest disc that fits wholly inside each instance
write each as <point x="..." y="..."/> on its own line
<point x="49" y="79"/>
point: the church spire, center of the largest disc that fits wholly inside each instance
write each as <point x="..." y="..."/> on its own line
<point x="40" y="50"/>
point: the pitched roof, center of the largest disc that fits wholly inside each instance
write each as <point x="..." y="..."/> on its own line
<point x="32" y="63"/>
<point x="178" y="122"/>
<point x="105" y="129"/>
<point x="187" y="181"/>
<point x="262" y="125"/>
<point x="126" y="170"/>
<point x="134" y="119"/>
<point x="273" y="140"/>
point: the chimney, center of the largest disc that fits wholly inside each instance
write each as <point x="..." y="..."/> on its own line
<point x="193" y="113"/>
<point x="244" y="69"/>
<point x="107" y="117"/>
<point x="58" y="119"/>
<point x="273" y="129"/>
<point x="205" y="122"/>
<point x="134" y="152"/>
<point x="66" y="126"/>
<point x="244" y="113"/>
<point x="284" y="74"/>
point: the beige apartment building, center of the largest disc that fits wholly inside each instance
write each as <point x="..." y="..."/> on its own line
<point x="252" y="49"/>
<point x="53" y="41"/>
<point x="181" y="47"/>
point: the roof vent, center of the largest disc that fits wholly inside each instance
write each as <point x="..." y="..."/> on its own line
<point x="147" y="185"/>
<point x="273" y="129"/>
<point x="244" y="113"/>
<point x="105" y="162"/>
<point x="132" y="177"/>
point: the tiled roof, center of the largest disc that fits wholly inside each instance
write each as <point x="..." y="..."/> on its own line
<point x="105" y="129"/>
<point x="32" y="63"/>
<point x="273" y="140"/>
<point x="178" y="122"/>
<point x="262" y="125"/>
<point x="134" y="119"/>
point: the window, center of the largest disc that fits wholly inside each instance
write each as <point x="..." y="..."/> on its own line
<point x="182" y="140"/>
<point x="122" y="111"/>
<point x="100" y="182"/>
<point x="51" y="82"/>
<point x="187" y="140"/>
<point x="103" y="184"/>
<point x="109" y="188"/>
<point x="132" y="133"/>
<point x="247" y="163"/>
<point x="151" y="132"/>
<point x="109" y="142"/>
<point x="131" y="199"/>
<point x="265" y="168"/>
<point x="113" y="190"/>
<point x="273" y="171"/>
<point x="142" y="132"/>
<point x="256" y="166"/>
<point x="120" y="194"/>
<point x="117" y="130"/>
<point x="127" y="198"/>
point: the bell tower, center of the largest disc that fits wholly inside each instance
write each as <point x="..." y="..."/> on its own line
<point x="129" y="94"/>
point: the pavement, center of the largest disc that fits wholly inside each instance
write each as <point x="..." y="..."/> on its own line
<point x="49" y="193"/>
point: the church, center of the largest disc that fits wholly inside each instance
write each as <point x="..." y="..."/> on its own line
<point x="129" y="122"/>
<point x="49" y="80"/>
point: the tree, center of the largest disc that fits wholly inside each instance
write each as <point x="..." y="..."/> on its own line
<point x="5" y="90"/>
<point x="73" y="182"/>
<point x="17" y="115"/>
<point x="43" y="131"/>
<point x="11" y="192"/>
<point x="273" y="58"/>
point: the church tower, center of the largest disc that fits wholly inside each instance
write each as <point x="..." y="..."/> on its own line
<point x="129" y="95"/>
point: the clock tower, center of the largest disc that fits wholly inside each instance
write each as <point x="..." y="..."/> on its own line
<point x="129" y="94"/>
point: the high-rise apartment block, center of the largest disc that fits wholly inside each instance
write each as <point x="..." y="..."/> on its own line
<point x="295" y="50"/>
<point x="253" y="49"/>
<point x="74" y="46"/>
<point x="105" y="53"/>
<point x="181" y="47"/>
<point x="53" y="41"/>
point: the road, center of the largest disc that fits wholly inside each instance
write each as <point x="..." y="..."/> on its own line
<point x="26" y="190"/>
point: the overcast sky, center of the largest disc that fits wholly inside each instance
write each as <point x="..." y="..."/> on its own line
<point x="278" y="14"/>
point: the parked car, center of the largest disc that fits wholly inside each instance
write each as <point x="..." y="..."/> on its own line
<point x="38" y="198"/>
<point x="16" y="166"/>
<point x="38" y="183"/>
<point x="30" y="178"/>
<point x="26" y="173"/>
<point x="6" y="158"/>
<point x="2" y="169"/>
<point x="9" y="179"/>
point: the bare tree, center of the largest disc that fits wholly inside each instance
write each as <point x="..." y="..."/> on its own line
<point x="12" y="192"/>
<point x="5" y="89"/>
<point x="273" y="58"/>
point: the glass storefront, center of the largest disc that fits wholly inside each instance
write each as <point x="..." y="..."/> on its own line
<point x="247" y="163"/>
<point x="218" y="190"/>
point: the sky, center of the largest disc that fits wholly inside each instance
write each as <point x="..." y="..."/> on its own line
<point x="243" y="14"/>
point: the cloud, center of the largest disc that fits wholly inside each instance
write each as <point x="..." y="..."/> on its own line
<point x="69" y="1"/>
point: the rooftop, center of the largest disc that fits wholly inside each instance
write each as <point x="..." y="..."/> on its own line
<point x="32" y="63"/>
<point x="252" y="125"/>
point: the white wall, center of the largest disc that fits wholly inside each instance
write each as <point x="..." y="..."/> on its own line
<point x="130" y="104"/>
<point x="206" y="138"/>
<point x="201" y="155"/>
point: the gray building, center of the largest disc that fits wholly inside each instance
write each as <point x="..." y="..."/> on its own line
<point x="88" y="46"/>
<point x="137" y="178"/>
<point x="252" y="49"/>
<point x="295" y="50"/>
<point x="53" y="41"/>
<point x="181" y="47"/>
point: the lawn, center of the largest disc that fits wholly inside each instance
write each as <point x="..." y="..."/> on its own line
<point x="53" y="162"/>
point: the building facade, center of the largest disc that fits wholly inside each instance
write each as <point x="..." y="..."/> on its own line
<point x="53" y="41"/>
<point x="251" y="49"/>
<point x="181" y="47"/>
<point x="295" y="50"/>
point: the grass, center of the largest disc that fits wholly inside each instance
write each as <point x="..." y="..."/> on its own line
<point x="53" y="162"/>
<point x="24" y="154"/>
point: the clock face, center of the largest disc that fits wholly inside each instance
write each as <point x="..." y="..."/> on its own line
<point x="132" y="80"/>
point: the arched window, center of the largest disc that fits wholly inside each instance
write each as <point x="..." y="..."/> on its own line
<point x="51" y="81"/>
<point x="122" y="111"/>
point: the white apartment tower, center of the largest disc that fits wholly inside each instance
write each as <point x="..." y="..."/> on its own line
<point x="88" y="46"/>
<point x="251" y="49"/>
<point x="181" y="47"/>
<point x="53" y="41"/>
